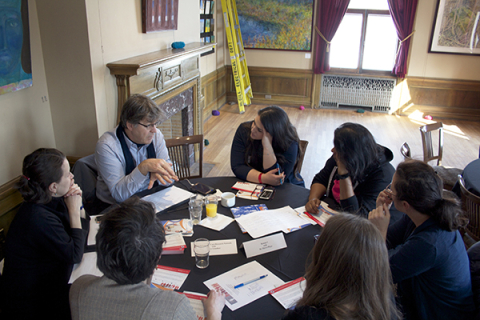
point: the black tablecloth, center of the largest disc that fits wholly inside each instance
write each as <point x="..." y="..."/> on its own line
<point x="471" y="176"/>
<point x="288" y="264"/>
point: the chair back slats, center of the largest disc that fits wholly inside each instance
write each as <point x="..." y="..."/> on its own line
<point x="471" y="206"/>
<point x="428" y="152"/>
<point x="180" y="149"/>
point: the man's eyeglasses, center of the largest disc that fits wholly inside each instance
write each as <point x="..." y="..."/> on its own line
<point x="150" y="126"/>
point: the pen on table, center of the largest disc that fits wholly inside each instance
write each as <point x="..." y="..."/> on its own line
<point x="248" y="282"/>
<point x="278" y="171"/>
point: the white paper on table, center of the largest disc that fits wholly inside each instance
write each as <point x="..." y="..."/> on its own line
<point x="221" y="247"/>
<point x="167" y="197"/>
<point x="261" y="223"/>
<point x="218" y="223"/>
<point x="264" y="245"/>
<point x="169" y="278"/>
<point x="289" y="293"/>
<point x="237" y="298"/>
<point x="88" y="265"/>
<point x="195" y="300"/>
<point x="92" y="233"/>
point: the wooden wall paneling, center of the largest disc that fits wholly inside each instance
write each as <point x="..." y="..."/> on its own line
<point x="440" y="98"/>
<point x="10" y="200"/>
<point x="214" y="91"/>
<point x="291" y="87"/>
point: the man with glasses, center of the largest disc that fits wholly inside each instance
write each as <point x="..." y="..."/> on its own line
<point x="133" y="157"/>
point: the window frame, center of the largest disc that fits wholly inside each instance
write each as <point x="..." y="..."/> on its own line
<point x="360" y="70"/>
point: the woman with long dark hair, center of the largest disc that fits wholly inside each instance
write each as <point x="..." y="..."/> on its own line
<point x="46" y="238"/>
<point x="349" y="275"/>
<point x="355" y="174"/>
<point x="428" y="259"/>
<point x="262" y="144"/>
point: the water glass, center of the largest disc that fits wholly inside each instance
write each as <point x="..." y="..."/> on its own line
<point x="195" y="208"/>
<point x="201" y="247"/>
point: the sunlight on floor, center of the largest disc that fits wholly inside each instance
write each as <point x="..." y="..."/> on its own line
<point x="417" y="117"/>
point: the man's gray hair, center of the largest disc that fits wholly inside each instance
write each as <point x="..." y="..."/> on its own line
<point x="137" y="108"/>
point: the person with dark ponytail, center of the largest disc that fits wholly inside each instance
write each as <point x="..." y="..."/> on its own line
<point x="428" y="259"/>
<point x="45" y="239"/>
<point x="348" y="276"/>
<point x="267" y="149"/>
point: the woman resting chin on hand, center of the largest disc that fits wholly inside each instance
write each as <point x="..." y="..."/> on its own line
<point x="266" y="150"/>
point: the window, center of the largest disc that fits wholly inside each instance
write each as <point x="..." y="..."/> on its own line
<point x="366" y="40"/>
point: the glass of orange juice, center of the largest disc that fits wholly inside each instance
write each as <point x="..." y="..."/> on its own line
<point x="211" y="203"/>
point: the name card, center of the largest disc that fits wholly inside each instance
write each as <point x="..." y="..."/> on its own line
<point x="264" y="245"/>
<point x="221" y="247"/>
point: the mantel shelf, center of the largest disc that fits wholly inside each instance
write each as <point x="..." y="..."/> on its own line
<point x="131" y="66"/>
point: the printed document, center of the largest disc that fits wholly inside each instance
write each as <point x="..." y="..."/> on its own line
<point x="168" y="197"/>
<point x="261" y="223"/>
<point x="92" y="233"/>
<point x="289" y="293"/>
<point x="88" y="265"/>
<point x="195" y="300"/>
<point x="251" y="291"/>
<point x="168" y="278"/>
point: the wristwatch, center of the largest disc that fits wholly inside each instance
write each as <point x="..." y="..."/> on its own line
<point x="342" y="176"/>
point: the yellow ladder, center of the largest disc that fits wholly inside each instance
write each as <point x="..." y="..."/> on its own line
<point x="238" y="60"/>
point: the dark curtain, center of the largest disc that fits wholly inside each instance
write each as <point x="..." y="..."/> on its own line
<point x="403" y="15"/>
<point x="329" y="15"/>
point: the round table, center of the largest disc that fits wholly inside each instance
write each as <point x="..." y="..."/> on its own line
<point x="471" y="176"/>
<point x="288" y="264"/>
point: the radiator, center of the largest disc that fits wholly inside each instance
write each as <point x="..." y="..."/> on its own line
<point x="375" y="93"/>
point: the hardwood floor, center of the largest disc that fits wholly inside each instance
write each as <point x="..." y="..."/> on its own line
<point x="461" y="138"/>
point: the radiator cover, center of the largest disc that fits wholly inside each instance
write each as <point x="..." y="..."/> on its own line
<point x="375" y="93"/>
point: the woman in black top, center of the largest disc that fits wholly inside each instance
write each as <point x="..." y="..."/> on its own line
<point x="349" y="275"/>
<point x="355" y="174"/>
<point x="47" y="236"/>
<point x="262" y="144"/>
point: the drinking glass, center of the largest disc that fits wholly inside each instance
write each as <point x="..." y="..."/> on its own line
<point x="211" y="203"/>
<point x="195" y="206"/>
<point x="201" y="247"/>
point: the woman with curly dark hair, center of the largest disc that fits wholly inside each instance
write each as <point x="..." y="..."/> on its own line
<point x="355" y="174"/>
<point x="46" y="238"/>
<point x="428" y="259"/>
<point x="267" y="149"/>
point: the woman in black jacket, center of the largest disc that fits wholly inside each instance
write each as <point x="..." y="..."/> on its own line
<point x="355" y="174"/>
<point x="46" y="238"/>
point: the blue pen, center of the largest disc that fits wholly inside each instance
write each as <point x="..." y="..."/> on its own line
<point x="248" y="282"/>
<point x="278" y="172"/>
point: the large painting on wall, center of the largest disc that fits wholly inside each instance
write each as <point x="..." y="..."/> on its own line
<point x="456" y="28"/>
<point x="276" y="24"/>
<point x="15" y="60"/>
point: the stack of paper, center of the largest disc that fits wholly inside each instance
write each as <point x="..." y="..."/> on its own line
<point x="261" y="223"/>
<point x="168" y="197"/>
<point x="195" y="300"/>
<point x="168" y="278"/>
<point x="182" y="226"/>
<point x="240" y="211"/>
<point x="174" y="244"/>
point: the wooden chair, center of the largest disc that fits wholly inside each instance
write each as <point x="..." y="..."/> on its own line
<point x="428" y="153"/>
<point x="181" y="152"/>
<point x="405" y="151"/>
<point x="303" y="149"/>
<point x="471" y="206"/>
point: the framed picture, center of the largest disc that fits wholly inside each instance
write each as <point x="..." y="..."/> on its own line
<point x="159" y="15"/>
<point x="278" y="25"/>
<point x="456" y="28"/>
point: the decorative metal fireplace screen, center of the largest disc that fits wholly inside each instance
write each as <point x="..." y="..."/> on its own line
<point x="375" y="93"/>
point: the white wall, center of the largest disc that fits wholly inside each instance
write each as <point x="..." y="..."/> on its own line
<point x="435" y="65"/>
<point x="25" y="121"/>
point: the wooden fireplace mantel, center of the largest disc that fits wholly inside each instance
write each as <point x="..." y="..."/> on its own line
<point x="157" y="73"/>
